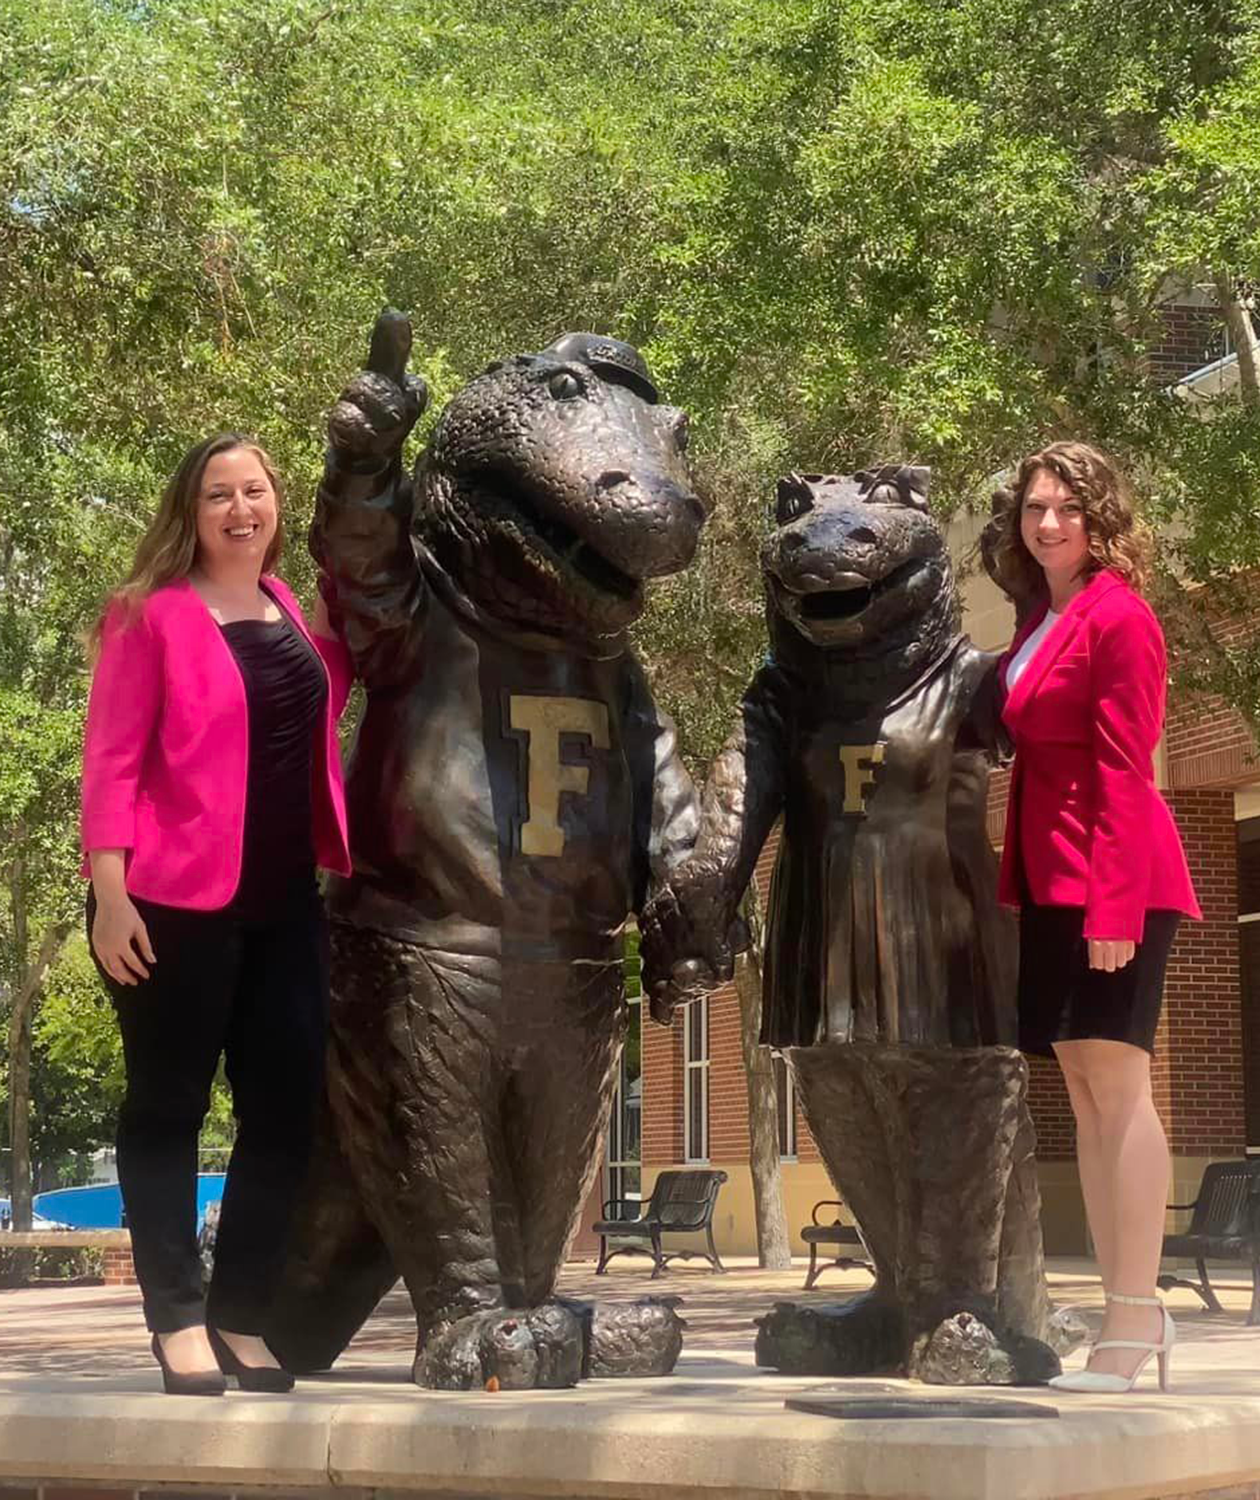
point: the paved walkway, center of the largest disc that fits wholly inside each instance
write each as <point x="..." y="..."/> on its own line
<point x="96" y="1332"/>
<point x="79" y="1399"/>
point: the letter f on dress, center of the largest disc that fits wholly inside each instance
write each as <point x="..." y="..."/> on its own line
<point x="859" y="762"/>
<point x="544" y="720"/>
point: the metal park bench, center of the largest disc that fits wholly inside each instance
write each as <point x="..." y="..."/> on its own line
<point x="1224" y="1225"/>
<point x="681" y="1203"/>
<point x="833" y="1232"/>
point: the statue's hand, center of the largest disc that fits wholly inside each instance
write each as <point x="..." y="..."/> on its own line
<point x="380" y="406"/>
<point x="689" y="980"/>
<point x="685" y="951"/>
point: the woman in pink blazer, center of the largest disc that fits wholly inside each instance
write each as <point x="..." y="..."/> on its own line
<point x="211" y="791"/>
<point x="1093" y="860"/>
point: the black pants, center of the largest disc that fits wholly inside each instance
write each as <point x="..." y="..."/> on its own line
<point x="257" y="992"/>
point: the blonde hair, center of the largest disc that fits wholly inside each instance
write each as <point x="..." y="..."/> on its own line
<point x="1117" y="539"/>
<point x="168" y="549"/>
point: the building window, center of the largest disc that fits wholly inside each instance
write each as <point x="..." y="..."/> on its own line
<point x="785" y="1098"/>
<point x="625" y="1124"/>
<point x="696" y="1081"/>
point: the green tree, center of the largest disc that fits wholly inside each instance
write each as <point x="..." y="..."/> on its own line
<point x="37" y="798"/>
<point x="842" y="231"/>
<point x="77" y="1067"/>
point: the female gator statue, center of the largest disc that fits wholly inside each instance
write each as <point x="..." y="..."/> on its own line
<point x="889" y="972"/>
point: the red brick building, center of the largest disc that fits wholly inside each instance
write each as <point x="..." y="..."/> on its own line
<point x="683" y="1096"/>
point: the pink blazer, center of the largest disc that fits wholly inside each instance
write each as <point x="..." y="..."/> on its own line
<point x="1085" y="818"/>
<point x="166" y="750"/>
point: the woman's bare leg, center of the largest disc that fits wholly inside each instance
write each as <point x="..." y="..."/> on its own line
<point x="1089" y="1159"/>
<point x="1132" y="1183"/>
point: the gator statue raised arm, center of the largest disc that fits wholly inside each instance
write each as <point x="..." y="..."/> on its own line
<point x="514" y="794"/>
<point x="889" y="970"/>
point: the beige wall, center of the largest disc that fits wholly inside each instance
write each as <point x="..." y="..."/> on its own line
<point x="988" y="617"/>
<point x="734" y="1223"/>
<point x="1063" y="1211"/>
<point x="805" y="1183"/>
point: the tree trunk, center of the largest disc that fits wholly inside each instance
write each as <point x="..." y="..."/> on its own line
<point x="774" y="1251"/>
<point x="30" y="980"/>
<point x="1242" y="335"/>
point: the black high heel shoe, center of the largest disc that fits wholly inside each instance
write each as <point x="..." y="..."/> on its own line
<point x="248" y="1377"/>
<point x="197" y="1383"/>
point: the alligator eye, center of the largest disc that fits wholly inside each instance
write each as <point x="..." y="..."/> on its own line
<point x="792" y="499"/>
<point x="564" y="386"/>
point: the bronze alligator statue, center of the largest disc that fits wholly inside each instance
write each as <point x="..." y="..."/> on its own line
<point x="514" y="793"/>
<point x="889" y="973"/>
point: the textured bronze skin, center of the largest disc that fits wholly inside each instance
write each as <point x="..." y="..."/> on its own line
<point x="514" y="794"/>
<point x="890" y="969"/>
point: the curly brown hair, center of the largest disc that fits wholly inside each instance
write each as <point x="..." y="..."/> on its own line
<point x="168" y="548"/>
<point x="1117" y="538"/>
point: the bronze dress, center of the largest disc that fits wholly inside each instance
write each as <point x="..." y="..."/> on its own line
<point x="887" y="906"/>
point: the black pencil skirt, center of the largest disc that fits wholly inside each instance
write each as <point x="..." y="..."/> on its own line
<point x="1061" y="999"/>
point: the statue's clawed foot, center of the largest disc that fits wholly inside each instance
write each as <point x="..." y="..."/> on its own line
<point x="626" y="1339"/>
<point x="965" y="1350"/>
<point x="509" y="1349"/>
<point x="862" y="1336"/>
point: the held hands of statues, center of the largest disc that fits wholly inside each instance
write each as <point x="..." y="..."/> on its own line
<point x="380" y="406"/>
<point x="687" y="948"/>
<point x="1110" y="954"/>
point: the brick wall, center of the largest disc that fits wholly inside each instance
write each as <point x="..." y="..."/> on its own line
<point x="728" y="1087"/>
<point x="662" y="1141"/>
<point x="1051" y="1111"/>
<point x="1207" y="741"/>
<point x="1199" y="1068"/>
<point x="118" y="1268"/>
<point x="1191" y="336"/>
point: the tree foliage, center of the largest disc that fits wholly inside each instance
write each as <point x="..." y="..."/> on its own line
<point x="842" y="231"/>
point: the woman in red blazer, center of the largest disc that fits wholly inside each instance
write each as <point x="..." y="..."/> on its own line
<point x="1093" y="860"/>
<point x="211" y="790"/>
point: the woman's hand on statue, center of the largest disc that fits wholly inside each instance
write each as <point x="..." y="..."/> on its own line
<point x="1110" y="954"/>
<point x="380" y="406"/>
<point x="120" y="940"/>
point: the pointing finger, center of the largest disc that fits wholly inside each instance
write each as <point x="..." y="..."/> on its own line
<point x="417" y="395"/>
<point x="391" y="346"/>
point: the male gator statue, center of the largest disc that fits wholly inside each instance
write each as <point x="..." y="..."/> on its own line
<point x="889" y="969"/>
<point x="513" y="794"/>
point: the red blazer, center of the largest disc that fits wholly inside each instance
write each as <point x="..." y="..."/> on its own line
<point x="166" y="750"/>
<point x="1085" y="818"/>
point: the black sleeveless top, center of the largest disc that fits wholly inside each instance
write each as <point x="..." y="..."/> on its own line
<point x="285" y="691"/>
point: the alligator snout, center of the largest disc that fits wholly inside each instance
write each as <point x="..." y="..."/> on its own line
<point x="648" y="524"/>
<point x="855" y="536"/>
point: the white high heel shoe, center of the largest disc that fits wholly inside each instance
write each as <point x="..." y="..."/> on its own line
<point x="1103" y="1384"/>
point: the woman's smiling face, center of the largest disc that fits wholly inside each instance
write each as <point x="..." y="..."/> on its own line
<point x="1053" y="526"/>
<point x="236" y="510"/>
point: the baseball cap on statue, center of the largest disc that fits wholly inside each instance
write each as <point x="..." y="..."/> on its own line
<point x="606" y="356"/>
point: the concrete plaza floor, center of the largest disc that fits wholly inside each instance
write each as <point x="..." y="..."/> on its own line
<point x="80" y="1401"/>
